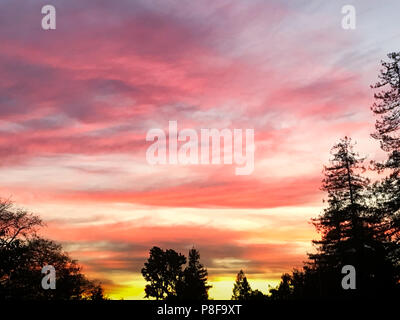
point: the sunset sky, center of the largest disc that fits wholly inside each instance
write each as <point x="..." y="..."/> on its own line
<point x="76" y="104"/>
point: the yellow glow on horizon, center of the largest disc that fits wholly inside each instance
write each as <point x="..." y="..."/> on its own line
<point x="221" y="287"/>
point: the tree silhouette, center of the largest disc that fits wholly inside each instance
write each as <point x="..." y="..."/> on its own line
<point x="387" y="191"/>
<point x="242" y="289"/>
<point x="23" y="254"/>
<point x="387" y="107"/>
<point x="353" y="232"/>
<point x="194" y="282"/>
<point x="285" y="290"/>
<point x="344" y="223"/>
<point x="163" y="270"/>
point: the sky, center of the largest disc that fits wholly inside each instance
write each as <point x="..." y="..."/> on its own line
<point x="76" y="104"/>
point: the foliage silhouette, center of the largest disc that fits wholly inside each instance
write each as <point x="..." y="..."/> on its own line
<point x="353" y="232"/>
<point x="387" y="191"/>
<point x="23" y="254"/>
<point x="361" y="225"/>
<point x="193" y="285"/>
<point x="164" y="272"/>
<point x="242" y="290"/>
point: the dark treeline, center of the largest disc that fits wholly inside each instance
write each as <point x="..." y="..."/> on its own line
<point x="360" y="226"/>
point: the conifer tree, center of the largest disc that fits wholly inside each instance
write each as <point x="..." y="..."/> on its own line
<point x="387" y="191"/>
<point x="345" y="235"/>
<point x="387" y="107"/>
<point x="241" y="288"/>
<point x="194" y="283"/>
<point x="353" y="232"/>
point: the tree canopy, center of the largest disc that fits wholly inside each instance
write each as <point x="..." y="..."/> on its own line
<point x="23" y="254"/>
<point x="194" y="282"/>
<point x="242" y="289"/>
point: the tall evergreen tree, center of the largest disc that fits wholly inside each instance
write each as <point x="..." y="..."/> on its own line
<point x="387" y="191"/>
<point x="345" y="235"/>
<point x="241" y="288"/>
<point x="361" y="225"/>
<point x="194" y="283"/>
<point x="353" y="232"/>
<point x="387" y="108"/>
